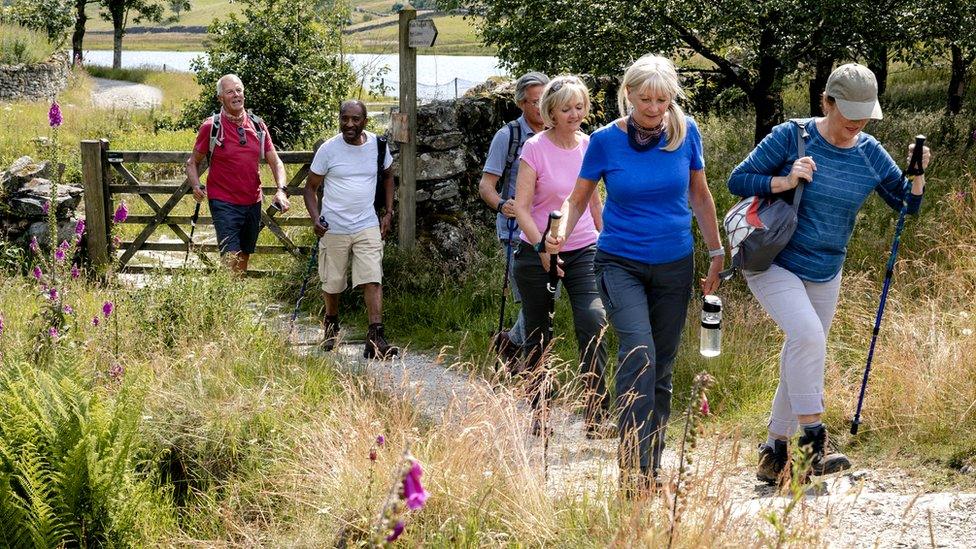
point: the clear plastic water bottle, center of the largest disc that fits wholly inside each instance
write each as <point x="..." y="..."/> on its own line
<point x="711" y="326"/>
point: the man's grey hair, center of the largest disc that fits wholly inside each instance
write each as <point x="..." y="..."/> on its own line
<point x="220" y="82"/>
<point x="526" y="81"/>
<point x="349" y="103"/>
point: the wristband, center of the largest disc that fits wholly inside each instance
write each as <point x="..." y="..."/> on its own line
<point x="501" y="203"/>
<point x="718" y="252"/>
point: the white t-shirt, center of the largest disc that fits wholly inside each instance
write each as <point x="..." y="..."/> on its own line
<point x="349" y="188"/>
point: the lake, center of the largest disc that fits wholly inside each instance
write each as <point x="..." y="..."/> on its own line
<point x="438" y="76"/>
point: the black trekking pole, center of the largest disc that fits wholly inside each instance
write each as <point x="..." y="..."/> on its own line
<point x="552" y="226"/>
<point x="193" y="227"/>
<point x="508" y="268"/>
<point x="914" y="169"/>
<point x="308" y="271"/>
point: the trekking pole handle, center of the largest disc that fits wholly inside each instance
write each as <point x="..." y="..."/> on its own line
<point x="915" y="164"/>
<point x="552" y="225"/>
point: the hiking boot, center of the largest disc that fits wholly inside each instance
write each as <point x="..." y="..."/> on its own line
<point x="376" y="344"/>
<point x="772" y="462"/>
<point x="331" y="329"/>
<point x="601" y="429"/>
<point x="822" y="460"/>
<point x="637" y="484"/>
<point x="507" y="351"/>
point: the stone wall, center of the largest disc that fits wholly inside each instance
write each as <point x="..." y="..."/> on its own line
<point x="34" y="82"/>
<point x="25" y="194"/>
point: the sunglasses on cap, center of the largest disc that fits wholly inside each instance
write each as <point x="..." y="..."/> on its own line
<point x="242" y="135"/>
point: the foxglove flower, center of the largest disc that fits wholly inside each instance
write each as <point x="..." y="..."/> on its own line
<point x="75" y="271"/>
<point x="54" y="117"/>
<point x="68" y="309"/>
<point x="53" y="293"/>
<point x="380" y="440"/>
<point x="116" y="371"/>
<point x="107" y="308"/>
<point x="705" y="410"/>
<point x="96" y="321"/>
<point x="37" y="273"/>
<point x="35" y="246"/>
<point x="397" y="530"/>
<point x="59" y="254"/>
<point x="413" y="490"/>
<point x="80" y="227"/>
<point x="46" y="207"/>
<point x="53" y="333"/>
<point x="121" y="213"/>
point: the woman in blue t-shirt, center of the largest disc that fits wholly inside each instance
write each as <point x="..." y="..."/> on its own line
<point x="652" y="165"/>
<point x="842" y="167"/>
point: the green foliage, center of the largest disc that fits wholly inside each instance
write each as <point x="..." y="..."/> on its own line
<point x="289" y="63"/>
<point x="129" y="75"/>
<point x="52" y="17"/>
<point x="67" y="473"/>
<point x="19" y="44"/>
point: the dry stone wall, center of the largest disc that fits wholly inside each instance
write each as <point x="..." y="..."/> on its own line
<point x="34" y="82"/>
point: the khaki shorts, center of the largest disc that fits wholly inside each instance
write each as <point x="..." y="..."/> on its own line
<point x="366" y="248"/>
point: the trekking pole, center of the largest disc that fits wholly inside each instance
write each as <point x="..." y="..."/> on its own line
<point x="914" y="169"/>
<point x="508" y="267"/>
<point x="552" y="226"/>
<point x="193" y="227"/>
<point x="308" y="271"/>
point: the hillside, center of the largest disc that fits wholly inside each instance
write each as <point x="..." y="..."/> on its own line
<point x="372" y="29"/>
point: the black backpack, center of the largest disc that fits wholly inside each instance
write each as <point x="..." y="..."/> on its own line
<point x="379" y="203"/>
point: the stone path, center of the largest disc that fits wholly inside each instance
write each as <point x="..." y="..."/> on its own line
<point x="863" y="508"/>
<point x="109" y="94"/>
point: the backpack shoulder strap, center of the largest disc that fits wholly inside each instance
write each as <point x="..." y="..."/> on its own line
<point x="216" y="136"/>
<point x="514" y="144"/>
<point x="380" y="156"/>
<point x="800" y="125"/>
<point x="260" y="129"/>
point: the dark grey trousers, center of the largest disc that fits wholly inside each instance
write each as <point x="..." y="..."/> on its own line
<point x="589" y="319"/>
<point x="647" y="305"/>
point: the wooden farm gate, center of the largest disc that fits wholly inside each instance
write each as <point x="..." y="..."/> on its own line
<point x="106" y="173"/>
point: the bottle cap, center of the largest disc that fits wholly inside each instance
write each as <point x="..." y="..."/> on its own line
<point x="713" y="304"/>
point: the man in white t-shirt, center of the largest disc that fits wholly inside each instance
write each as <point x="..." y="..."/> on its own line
<point x="346" y="167"/>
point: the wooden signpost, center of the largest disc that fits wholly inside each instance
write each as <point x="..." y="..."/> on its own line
<point x="414" y="33"/>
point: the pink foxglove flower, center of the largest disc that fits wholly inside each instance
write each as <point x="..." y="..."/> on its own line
<point x="80" y="227"/>
<point x="59" y="254"/>
<point x="53" y="293"/>
<point x="121" y="213"/>
<point x="397" y="530"/>
<point x="37" y="273"/>
<point x="35" y="246"/>
<point x="54" y="117"/>
<point x="705" y="410"/>
<point x="96" y="321"/>
<point x="413" y="490"/>
<point x="53" y="333"/>
<point x="75" y="271"/>
<point x="380" y="440"/>
<point x="107" y="308"/>
<point x="46" y="207"/>
<point x="68" y="309"/>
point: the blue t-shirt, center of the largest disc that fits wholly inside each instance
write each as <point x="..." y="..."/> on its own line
<point x="646" y="217"/>
<point x="495" y="165"/>
<point x="828" y="209"/>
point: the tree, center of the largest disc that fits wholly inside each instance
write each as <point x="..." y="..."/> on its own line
<point x="951" y="26"/>
<point x="52" y="17"/>
<point x="118" y="12"/>
<point x="78" y="36"/>
<point x="289" y="62"/>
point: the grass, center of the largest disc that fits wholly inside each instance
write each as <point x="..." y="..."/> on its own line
<point x="21" y="45"/>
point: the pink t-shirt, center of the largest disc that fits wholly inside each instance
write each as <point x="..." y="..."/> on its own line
<point x="234" y="174"/>
<point x="556" y="171"/>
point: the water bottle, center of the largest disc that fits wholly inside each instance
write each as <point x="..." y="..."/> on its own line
<point x="711" y="326"/>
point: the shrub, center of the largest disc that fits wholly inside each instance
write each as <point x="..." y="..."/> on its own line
<point x="22" y="45"/>
<point x="289" y="63"/>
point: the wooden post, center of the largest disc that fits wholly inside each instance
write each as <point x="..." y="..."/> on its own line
<point x="96" y="203"/>
<point x="408" y="149"/>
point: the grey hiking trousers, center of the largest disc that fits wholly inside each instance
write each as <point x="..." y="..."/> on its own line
<point x="804" y="311"/>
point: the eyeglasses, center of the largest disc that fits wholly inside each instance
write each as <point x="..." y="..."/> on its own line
<point x="242" y="135"/>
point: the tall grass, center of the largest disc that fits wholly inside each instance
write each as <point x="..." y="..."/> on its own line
<point x="22" y="45"/>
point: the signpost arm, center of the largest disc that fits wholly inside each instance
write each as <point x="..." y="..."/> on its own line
<point x="408" y="150"/>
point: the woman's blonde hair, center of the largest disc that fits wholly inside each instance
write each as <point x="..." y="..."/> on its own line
<point x="656" y="74"/>
<point x="563" y="90"/>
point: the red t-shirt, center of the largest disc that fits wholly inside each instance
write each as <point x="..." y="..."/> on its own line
<point x="234" y="171"/>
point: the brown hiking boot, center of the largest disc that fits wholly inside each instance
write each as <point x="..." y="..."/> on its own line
<point x="376" y="344"/>
<point x="822" y="460"/>
<point x="331" y="329"/>
<point x="772" y="463"/>
<point x="507" y="351"/>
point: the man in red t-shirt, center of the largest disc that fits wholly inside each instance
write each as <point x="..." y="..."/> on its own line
<point x="234" y="183"/>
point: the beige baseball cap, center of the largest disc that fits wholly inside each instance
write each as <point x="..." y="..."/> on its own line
<point x="855" y="90"/>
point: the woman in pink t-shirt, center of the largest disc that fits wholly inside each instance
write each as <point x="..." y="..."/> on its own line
<point x="549" y="165"/>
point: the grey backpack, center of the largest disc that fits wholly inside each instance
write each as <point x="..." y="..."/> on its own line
<point x="759" y="227"/>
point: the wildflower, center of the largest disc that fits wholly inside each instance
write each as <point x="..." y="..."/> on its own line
<point x="107" y="308"/>
<point x="372" y="454"/>
<point x="397" y="530"/>
<point x="95" y="321"/>
<point x="380" y="440"/>
<point x="53" y="293"/>
<point x="116" y="241"/>
<point x="59" y="254"/>
<point x="68" y="310"/>
<point x="80" y="227"/>
<point x="53" y="333"/>
<point x="37" y="273"/>
<point x="75" y="271"/>
<point x="46" y="207"/>
<point x="35" y="246"/>
<point x="413" y="491"/>
<point x="121" y="213"/>
<point x="116" y="371"/>
<point x="705" y="410"/>
<point x="54" y="117"/>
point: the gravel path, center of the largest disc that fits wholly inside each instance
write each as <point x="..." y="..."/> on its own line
<point x="110" y="94"/>
<point x="862" y="508"/>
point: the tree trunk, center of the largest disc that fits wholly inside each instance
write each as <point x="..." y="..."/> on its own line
<point x="957" y="79"/>
<point x="822" y="67"/>
<point x="878" y="63"/>
<point x="78" y="37"/>
<point x="118" y="26"/>
<point x="766" y="94"/>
